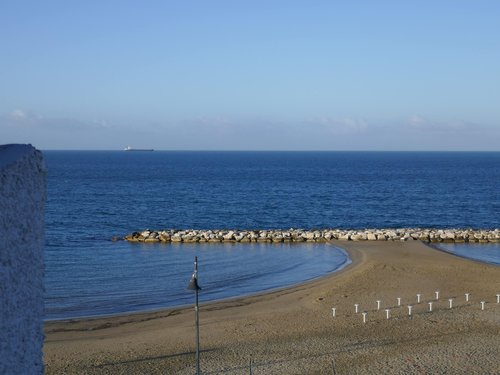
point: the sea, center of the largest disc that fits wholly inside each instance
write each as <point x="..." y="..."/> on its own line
<point x="94" y="196"/>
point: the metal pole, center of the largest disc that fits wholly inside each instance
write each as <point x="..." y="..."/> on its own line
<point x="197" y="320"/>
<point x="197" y="337"/>
<point x="193" y="285"/>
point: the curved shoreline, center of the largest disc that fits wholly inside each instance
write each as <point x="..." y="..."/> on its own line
<point x="438" y="248"/>
<point x="291" y="283"/>
<point x="92" y="323"/>
<point x="266" y="327"/>
<point x="430" y="235"/>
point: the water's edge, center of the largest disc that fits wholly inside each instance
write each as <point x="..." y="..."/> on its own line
<point x="227" y="271"/>
<point x="469" y="254"/>
<point x="347" y="263"/>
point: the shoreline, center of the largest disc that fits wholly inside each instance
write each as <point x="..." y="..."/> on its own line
<point x="252" y="287"/>
<point x="166" y="311"/>
<point x="189" y="305"/>
<point x="437" y="248"/>
<point x="265" y="325"/>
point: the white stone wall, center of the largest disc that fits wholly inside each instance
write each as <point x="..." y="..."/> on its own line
<point x="23" y="190"/>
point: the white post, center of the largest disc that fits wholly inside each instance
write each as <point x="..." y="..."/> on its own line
<point x="364" y="317"/>
<point x="498" y="298"/>
<point x="451" y="302"/>
<point x="334" y="311"/>
<point x="378" y="305"/>
<point x="356" y="308"/>
<point x="467" y="297"/>
<point x="437" y="294"/>
<point x="482" y="305"/>
<point x="430" y="306"/>
<point x="418" y="298"/>
<point x="399" y="301"/>
<point x="387" y="313"/>
<point x="409" y="310"/>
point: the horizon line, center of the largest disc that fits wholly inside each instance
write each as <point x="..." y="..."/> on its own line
<point x="267" y="150"/>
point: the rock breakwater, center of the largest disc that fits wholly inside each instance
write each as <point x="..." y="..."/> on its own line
<point x="325" y="235"/>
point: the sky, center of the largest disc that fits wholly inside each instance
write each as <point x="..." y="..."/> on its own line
<point x="251" y="75"/>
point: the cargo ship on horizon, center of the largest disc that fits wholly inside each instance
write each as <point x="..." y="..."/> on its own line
<point x="129" y="148"/>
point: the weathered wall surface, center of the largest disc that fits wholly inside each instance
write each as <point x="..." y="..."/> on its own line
<point x="22" y="199"/>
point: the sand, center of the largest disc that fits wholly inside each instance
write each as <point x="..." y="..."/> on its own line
<point x="292" y="331"/>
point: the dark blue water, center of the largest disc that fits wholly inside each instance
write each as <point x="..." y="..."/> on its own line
<point x="96" y="195"/>
<point x="113" y="193"/>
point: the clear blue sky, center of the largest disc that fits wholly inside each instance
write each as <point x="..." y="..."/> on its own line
<point x="254" y="75"/>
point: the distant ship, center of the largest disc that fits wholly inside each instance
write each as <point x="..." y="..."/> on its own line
<point x="128" y="148"/>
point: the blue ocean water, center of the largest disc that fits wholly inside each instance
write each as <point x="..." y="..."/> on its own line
<point x="104" y="278"/>
<point x="113" y="193"/>
<point x="95" y="195"/>
<point x="489" y="253"/>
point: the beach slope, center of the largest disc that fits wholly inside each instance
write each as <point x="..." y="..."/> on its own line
<point x="292" y="331"/>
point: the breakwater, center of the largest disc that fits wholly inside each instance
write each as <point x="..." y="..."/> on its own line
<point x="300" y="235"/>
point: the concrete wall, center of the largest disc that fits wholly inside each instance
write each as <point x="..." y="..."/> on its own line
<point x="23" y="190"/>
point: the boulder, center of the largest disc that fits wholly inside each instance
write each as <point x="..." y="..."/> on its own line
<point x="228" y="236"/>
<point x="309" y="235"/>
<point x="130" y="238"/>
<point x="358" y="237"/>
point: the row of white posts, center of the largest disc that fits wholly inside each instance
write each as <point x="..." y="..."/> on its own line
<point x="410" y="307"/>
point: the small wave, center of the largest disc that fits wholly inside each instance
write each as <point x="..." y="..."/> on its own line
<point x="159" y="279"/>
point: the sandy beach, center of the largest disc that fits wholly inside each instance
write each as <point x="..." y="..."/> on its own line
<point x="292" y="331"/>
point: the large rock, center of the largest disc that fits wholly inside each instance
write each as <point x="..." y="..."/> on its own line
<point x="229" y="235"/>
<point x="358" y="237"/>
<point x="176" y="238"/>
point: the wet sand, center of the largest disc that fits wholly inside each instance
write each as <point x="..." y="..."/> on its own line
<point x="292" y="331"/>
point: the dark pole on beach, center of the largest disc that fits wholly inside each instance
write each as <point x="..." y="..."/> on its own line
<point x="193" y="285"/>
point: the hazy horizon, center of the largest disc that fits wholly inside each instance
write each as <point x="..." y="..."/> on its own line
<point x="259" y="76"/>
<point x="250" y="150"/>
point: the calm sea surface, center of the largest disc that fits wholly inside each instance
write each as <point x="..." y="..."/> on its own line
<point x="489" y="253"/>
<point x="96" y="195"/>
